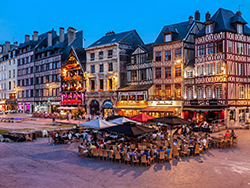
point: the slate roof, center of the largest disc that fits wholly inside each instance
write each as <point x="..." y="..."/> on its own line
<point x="112" y="38"/>
<point x="224" y="21"/>
<point x="179" y="30"/>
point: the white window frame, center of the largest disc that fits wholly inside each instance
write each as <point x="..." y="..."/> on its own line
<point x="168" y="38"/>
<point x="241" y="92"/>
<point x="239" y="28"/>
<point x="240" y="69"/>
<point x="240" y="49"/>
<point x="209" y="28"/>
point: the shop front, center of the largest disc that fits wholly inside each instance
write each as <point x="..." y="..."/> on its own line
<point x="163" y="108"/>
<point x="73" y="99"/>
<point x="11" y="104"/>
<point x="107" y="108"/>
<point x="2" y="105"/>
<point x="25" y="107"/>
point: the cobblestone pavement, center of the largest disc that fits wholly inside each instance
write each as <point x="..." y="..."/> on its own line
<point x="37" y="164"/>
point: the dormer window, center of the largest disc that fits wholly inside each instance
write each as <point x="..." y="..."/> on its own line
<point x="239" y="28"/>
<point x="167" y="38"/>
<point x="209" y="28"/>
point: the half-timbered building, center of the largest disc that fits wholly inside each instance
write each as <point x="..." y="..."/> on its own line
<point x="173" y="51"/>
<point x="219" y="85"/>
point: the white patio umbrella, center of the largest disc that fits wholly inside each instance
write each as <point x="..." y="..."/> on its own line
<point x="97" y="124"/>
<point x="123" y="120"/>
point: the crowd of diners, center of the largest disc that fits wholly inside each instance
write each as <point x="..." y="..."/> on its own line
<point x="160" y="146"/>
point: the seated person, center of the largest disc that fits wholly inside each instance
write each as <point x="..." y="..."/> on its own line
<point x="232" y="134"/>
<point x="82" y="146"/>
<point x="161" y="149"/>
<point x="133" y="154"/>
<point x="228" y="134"/>
<point x="168" y="151"/>
<point x="145" y="153"/>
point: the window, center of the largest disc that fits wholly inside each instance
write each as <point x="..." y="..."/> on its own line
<point x="241" y="92"/>
<point x="31" y="58"/>
<point x="10" y="63"/>
<point x="37" y="92"/>
<point x="143" y="74"/>
<point x="53" y="78"/>
<point x="47" y="92"/>
<point x="18" y="62"/>
<point x="47" y="79"/>
<point x="110" y="66"/>
<point x="240" y="69"/>
<point x="209" y="28"/>
<point x="190" y="93"/>
<point x="53" y="92"/>
<point x="9" y="74"/>
<point x="168" y="55"/>
<point x="168" y="91"/>
<point x="37" y="68"/>
<point x="41" y="92"/>
<point x="22" y="94"/>
<point x="47" y="66"/>
<point x="31" y="69"/>
<point x="27" y="93"/>
<point x="58" y="78"/>
<point x="31" y="81"/>
<point x="240" y="48"/>
<point x="178" y="53"/>
<point x="189" y="74"/>
<point x="177" y="71"/>
<point x="167" y="38"/>
<point x="209" y="92"/>
<point x="101" y="84"/>
<point x="101" y="55"/>
<point x="9" y="85"/>
<point x="19" y="73"/>
<point x="110" y="84"/>
<point x="239" y="28"/>
<point x="58" y="65"/>
<point x="218" y="92"/>
<point x="209" y="69"/>
<point x="27" y="82"/>
<point x="92" y="84"/>
<point x="200" y="92"/>
<point x="201" y="50"/>
<point x="219" y="47"/>
<point x="41" y="80"/>
<point x="27" y="59"/>
<point x="133" y="75"/>
<point x="218" y="68"/>
<point x="27" y="70"/>
<point x="18" y="82"/>
<point x="143" y="58"/>
<point x="22" y="82"/>
<point x="178" y="91"/>
<point x="57" y="91"/>
<point x="31" y="93"/>
<point x="110" y="53"/>
<point x="37" y="80"/>
<point x="92" y="68"/>
<point x="157" y="56"/>
<point x="158" y="73"/>
<point x="92" y="56"/>
<point x="101" y="68"/>
<point x="209" y="48"/>
<point x="230" y="47"/>
<point x="54" y="65"/>
<point x="168" y="72"/>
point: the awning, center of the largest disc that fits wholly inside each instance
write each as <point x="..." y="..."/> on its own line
<point x="128" y="108"/>
<point x="202" y="109"/>
<point x="158" y="109"/>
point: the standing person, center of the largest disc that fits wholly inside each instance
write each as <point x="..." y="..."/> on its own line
<point x="53" y="118"/>
<point x="67" y="115"/>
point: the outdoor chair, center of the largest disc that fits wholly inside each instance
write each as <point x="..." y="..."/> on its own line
<point x="161" y="156"/>
<point x="197" y="149"/>
<point x="168" y="158"/>
<point x="206" y="146"/>
<point x="134" y="161"/>
<point x="184" y="150"/>
<point x="117" y="156"/>
<point x="105" y="154"/>
<point x="126" y="158"/>
<point x="235" y="141"/>
<point x="144" y="160"/>
<point x="111" y="157"/>
<point x="80" y="151"/>
<point x="230" y="142"/>
<point x="94" y="152"/>
<point x="175" y="152"/>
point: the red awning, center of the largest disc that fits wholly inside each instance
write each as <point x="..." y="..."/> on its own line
<point x="141" y="118"/>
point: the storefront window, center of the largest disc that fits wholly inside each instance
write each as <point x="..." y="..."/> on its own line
<point x="140" y="97"/>
<point x="241" y="115"/>
<point x="132" y="97"/>
<point x="232" y="115"/>
<point x="124" y="97"/>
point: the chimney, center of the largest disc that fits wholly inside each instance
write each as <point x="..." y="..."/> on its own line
<point x="61" y="38"/>
<point x="27" y="38"/>
<point x="6" y="47"/>
<point x="110" y="33"/>
<point x="71" y="32"/>
<point x="190" y="19"/>
<point x="35" y="36"/>
<point x="197" y="15"/>
<point x="207" y="16"/>
<point x="239" y="13"/>
<point x="49" y="38"/>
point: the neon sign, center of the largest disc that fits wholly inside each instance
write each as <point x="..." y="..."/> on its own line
<point x="72" y="98"/>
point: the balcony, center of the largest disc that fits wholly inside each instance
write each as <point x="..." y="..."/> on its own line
<point x="205" y="102"/>
<point x="162" y="98"/>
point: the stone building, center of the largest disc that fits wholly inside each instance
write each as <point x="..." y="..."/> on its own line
<point x="106" y="69"/>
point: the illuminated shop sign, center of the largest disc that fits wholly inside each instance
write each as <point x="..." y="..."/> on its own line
<point x="72" y="98"/>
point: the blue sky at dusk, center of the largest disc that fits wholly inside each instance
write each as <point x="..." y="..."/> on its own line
<point x="96" y="17"/>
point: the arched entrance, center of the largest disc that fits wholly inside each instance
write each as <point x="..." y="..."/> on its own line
<point x="107" y="108"/>
<point x="94" y="107"/>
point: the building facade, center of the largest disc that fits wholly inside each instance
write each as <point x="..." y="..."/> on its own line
<point x="221" y="72"/>
<point x="133" y="97"/>
<point x="106" y="69"/>
<point x="173" y="51"/>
